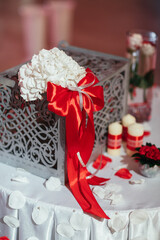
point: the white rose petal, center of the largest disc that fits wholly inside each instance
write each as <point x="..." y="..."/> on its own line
<point x="21" y="170"/>
<point x="20" y="179"/>
<point x="139" y="238"/>
<point x="11" y="221"/>
<point x="113" y="187"/>
<point x="117" y="223"/>
<point x="99" y="191"/>
<point x="115" y="198"/>
<point x="53" y="184"/>
<point x="32" y="238"/>
<point x="108" y="194"/>
<point x="138" y="181"/>
<point x="16" y="200"/>
<point x="138" y="217"/>
<point x="39" y="214"/>
<point x="79" y="221"/>
<point x="65" y="230"/>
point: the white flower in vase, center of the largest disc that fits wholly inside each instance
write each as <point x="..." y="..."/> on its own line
<point x="147" y="59"/>
<point x="148" y="49"/>
<point x="135" y="41"/>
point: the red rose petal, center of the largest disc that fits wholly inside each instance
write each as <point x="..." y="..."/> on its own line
<point x="146" y="133"/>
<point x="97" y="181"/>
<point x="123" y="173"/>
<point x="104" y="160"/>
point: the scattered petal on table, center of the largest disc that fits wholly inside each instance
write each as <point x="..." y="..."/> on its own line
<point x="113" y="187"/>
<point x="22" y="170"/>
<point x="108" y="194"/>
<point x="99" y="191"/>
<point x="52" y="184"/>
<point x="138" y="217"/>
<point x="39" y="214"/>
<point x="16" y="200"/>
<point x="65" y="230"/>
<point x="116" y="198"/>
<point x="123" y="173"/>
<point x="11" y="221"/>
<point x="117" y="223"/>
<point x="32" y="238"/>
<point x="20" y="179"/>
<point x="139" y="238"/>
<point x="101" y="162"/>
<point x="138" y="181"/>
<point x="79" y="221"/>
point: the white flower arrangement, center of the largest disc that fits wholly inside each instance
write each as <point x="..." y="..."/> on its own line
<point x="148" y="49"/>
<point x="48" y="66"/>
<point x="135" y="41"/>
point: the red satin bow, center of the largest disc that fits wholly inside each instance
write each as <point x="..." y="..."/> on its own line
<point x="80" y="134"/>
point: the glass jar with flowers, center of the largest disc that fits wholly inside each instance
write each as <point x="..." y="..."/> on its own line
<point x="148" y="157"/>
<point x="141" y="50"/>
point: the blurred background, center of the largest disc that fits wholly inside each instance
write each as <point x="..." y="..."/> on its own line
<point x="26" y="26"/>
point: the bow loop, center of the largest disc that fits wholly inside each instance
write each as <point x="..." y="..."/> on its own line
<point x="92" y="94"/>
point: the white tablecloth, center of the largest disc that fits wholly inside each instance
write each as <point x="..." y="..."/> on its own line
<point x="61" y="204"/>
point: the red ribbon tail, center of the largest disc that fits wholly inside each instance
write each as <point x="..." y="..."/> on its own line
<point x="81" y="190"/>
<point x="73" y="178"/>
<point x="95" y="208"/>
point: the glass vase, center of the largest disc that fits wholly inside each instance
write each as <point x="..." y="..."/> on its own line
<point x="141" y="50"/>
<point x="148" y="171"/>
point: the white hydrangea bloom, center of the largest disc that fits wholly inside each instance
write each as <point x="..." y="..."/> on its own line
<point x="148" y="49"/>
<point x="135" y="41"/>
<point x="48" y="66"/>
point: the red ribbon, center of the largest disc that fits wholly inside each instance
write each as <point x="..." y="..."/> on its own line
<point x="114" y="141"/>
<point x="134" y="142"/>
<point x="80" y="134"/>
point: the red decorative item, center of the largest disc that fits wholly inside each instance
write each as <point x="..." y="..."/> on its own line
<point x="101" y="161"/>
<point x="80" y="134"/>
<point x="114" y="141"/>
<point x="147" y="133"/>
<point x="124" y="134"/>
<point x="96" y="180"/>
<point x="4" y="238"/>
<point x="123" y="173"/>
<point x="134" y="142"/>
<point x="148" y="154"/>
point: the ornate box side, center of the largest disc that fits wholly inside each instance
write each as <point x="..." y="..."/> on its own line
<point x="34" y="138"/>
<point x="31" y="137"/>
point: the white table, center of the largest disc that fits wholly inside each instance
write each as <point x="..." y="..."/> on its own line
<point x="61" y="204"/>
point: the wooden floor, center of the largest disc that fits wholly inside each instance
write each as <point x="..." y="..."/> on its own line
<point x="98" y="24"/>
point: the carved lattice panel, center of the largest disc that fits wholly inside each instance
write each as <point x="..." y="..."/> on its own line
<point x="30" y="134"/>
